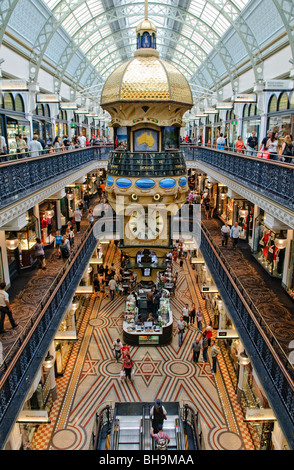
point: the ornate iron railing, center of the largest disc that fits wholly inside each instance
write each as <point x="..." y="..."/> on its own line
<point x="123" y="163"/>
<point x="18" y="371"/>
<point x="20" y="178"/>
<point x="265" y="350"/>
<point x="272" y="179"/>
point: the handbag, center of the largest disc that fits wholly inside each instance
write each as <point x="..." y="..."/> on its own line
<point x="263" y="154"/>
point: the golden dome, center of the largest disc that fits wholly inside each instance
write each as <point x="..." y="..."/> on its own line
<point x="146" y="25"/>
<point x="146" y="78"/>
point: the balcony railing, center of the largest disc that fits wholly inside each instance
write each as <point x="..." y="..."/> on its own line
<point x="123" y="163"/>
<point x="269" y="359"/>
<point x="272" y="179"/>
<point x="23" y="360"/>
<point x="23" y="176"/>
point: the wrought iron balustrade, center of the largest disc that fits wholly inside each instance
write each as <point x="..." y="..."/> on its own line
<point x="22" y="177"/>
<point x="124" y="163"/>
<point x="20" y="366"/>
<point x="272" y="179"/>
<point x="269" y="359"/>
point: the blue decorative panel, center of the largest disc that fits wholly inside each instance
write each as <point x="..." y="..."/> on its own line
<point x="167" y="183"/>
<point x="145" y="183"/>
<point x="182" y="181"/>
<point x="109" y="180"/>
<point x="123" y="183"/>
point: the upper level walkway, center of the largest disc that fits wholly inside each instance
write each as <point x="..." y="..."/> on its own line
<point x="267" y="183"/>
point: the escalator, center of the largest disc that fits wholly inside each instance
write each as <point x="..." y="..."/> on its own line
<point x="128" y="427"/>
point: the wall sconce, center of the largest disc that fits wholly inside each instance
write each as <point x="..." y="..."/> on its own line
<point x="48" y="361"/>
<point x="281" y="243"/>
<point x="12" y="241"/>
<point x="223" y="196"/>
<point x="243" y="213"/>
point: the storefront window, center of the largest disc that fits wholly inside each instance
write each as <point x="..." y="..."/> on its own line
<point x="269" y="247"/>
<point x="283" y="102"/>
<point x="290" y="278"/>
<point x="27" y="240"/>
<point x="19" y="104"/>
<point x="8" y="101"/>
<point x="273" y="104"/>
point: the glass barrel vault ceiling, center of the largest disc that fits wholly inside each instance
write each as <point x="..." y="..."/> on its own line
<point x="105" y="30"/>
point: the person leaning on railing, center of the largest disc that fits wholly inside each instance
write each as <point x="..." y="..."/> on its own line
<point x="35" y="147"/>
<point x="287" y="150"/>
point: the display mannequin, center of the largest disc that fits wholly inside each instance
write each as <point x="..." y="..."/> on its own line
<point x="271" y="249"/>
<point x="44" y="228"/>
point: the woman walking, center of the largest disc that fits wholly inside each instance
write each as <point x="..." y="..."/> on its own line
<point x="127" y="367"/>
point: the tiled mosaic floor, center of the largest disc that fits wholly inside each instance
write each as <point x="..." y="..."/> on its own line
<point x="92" y="378"/>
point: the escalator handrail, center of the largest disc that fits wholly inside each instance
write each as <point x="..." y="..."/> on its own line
<point x="195" y="426"/>
<point x="182" y="432"/>
<point x="112" y="429"/>
<point x="98" y="426"/>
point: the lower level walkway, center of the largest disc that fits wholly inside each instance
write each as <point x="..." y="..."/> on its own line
<point x="92" y="377"/>
<point x="266" y="292"/>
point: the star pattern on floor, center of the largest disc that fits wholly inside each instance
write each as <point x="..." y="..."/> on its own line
<point x="147" y="368"/>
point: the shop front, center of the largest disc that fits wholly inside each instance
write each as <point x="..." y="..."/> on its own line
<point x="231" y="129"/>
<point x="251" y="122"/>
<point x="269" y="246"/>
<point x="281" y="114"/>
<point x="61" y="126"/>
<point x="14" y="120"/>
<point x="48" y="221"/>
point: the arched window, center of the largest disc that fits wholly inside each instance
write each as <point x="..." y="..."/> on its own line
<point x="291" y="100"/>
<point x="246" y="111"/>
<point x="47" y="110"/>
<point x="8" y="101"/>
<point x="40" y="110"/>
<point x="252" y="110"/>
<point x="19" y="104"/>
<point x="1" y="100"/>
<point x="283" y="102"/>
<point x="273" y="104"/>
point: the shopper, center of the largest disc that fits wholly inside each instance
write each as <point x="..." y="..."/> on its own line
<point x="204" y="346"/>
<point x="127" y="367"/>
<point x="117" y="347"/>
<point x="208" y="330"/>
<point x="239" y="145"/>
<point x="220" y="142"/>
<point x="181" y="328"/>
<point x="35" y="147"/>
<point x="65" y="248"/>
<point x="112" y="286"/>
<point x="40" y="254"/>
<point x="225" y="232"/>
<point x="235" y="233"/>
<point x="5" y="308"/>
<point x="185" y="313"/>
<point x="192" y="314"/>
<point x="91" y="216"/>
<point x="78" y="218"/>
<point x="272" y="145"/>
<point x="214" y="353"/>
<point x="199" y="318"/>
<point x="162" y="438"/>
<point x="125" y="350"/>
<point x="196" y="349"/>
<point x="157" y="414"/>
<point x="287" y="150"/>
<point x="57" y="242"/>
<point x="252" y="144"/>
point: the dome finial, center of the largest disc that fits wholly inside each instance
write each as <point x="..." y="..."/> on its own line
<point x="146" y="9"/>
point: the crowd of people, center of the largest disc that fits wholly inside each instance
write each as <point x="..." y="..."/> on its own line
<point x="37" y="146"/>
<point x="272" y="147"/>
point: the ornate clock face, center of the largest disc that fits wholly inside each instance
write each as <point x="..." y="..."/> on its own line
<point x="146" y="227"/>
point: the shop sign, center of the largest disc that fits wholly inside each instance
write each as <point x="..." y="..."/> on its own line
<point x="244" y="98"/>
<point x="13" y="85"/>
<point x="224" y="105"/>
<point x="33" y="416"/>
<point x="48" y="98"/>
<point x="278" y="85"/>
<point x="234" y="123"/>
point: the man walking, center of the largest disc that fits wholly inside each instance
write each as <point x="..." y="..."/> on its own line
<point x="214" y="353"/>
<point x="78" y="218"/>
<point x="112" y="286"/>
<point x="196" y="348"/>
<point x="235" y="233"/>
<point x="5" y="308"/>
<point x="252" y="144"/>
<point x="181" y="327"/>
<point x="225" y="231"/>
